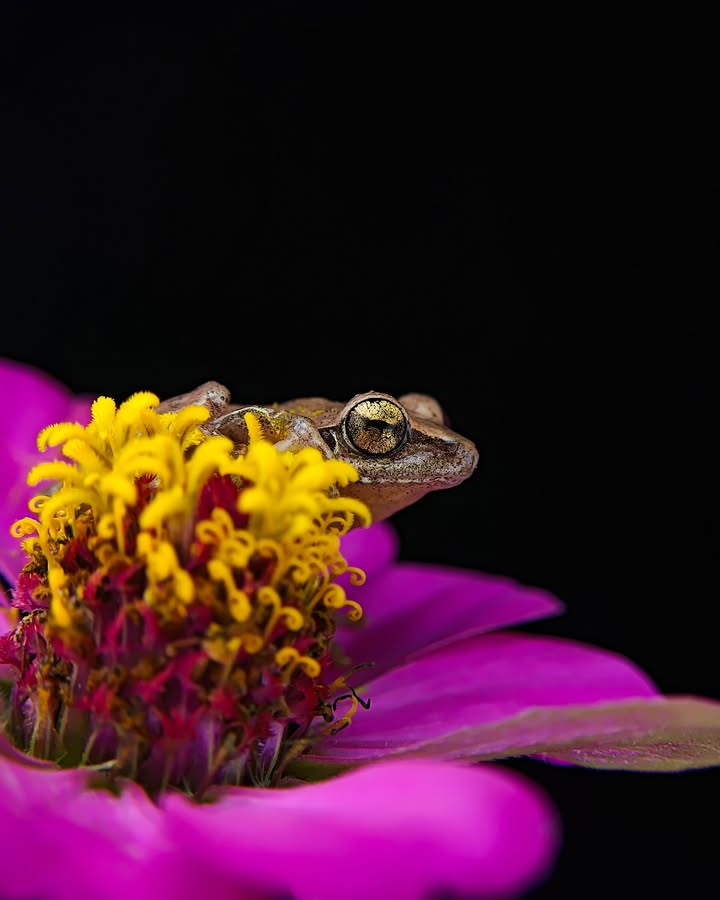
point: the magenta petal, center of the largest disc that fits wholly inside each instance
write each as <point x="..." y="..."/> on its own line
<point x="650" y="734"/>
<point x="61" y="840"/>
<point x="659" y="734"/>
<point x="29" y="400"/>
<point x="371" y="549"/>
<point x="477" y="684"/>
<point x="414" y="608"/>
<point x="10" y="753"/>
<point x="400" y="830"/>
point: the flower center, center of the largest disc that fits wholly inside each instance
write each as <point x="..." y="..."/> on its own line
<point x="174" y="621"/>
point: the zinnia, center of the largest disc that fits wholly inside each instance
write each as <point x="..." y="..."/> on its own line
<point x="190" y="649"/>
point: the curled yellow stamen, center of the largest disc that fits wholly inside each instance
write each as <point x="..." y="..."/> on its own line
<point x="289" y="659"/>
<point x="172" y="566"/>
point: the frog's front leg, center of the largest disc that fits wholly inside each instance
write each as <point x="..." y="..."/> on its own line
<point x="212" y="395"/>
<point x="284" y="429"/>
<point x="302" y="433"/>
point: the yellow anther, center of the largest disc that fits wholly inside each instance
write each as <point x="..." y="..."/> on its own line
<point x="66" y="498"/>
<point x="30" y="546"/>
<point x="334" y="597"/>
<point x="251" y="643"/>
<point x="348" y="506"/>
<point x="356" y="575"/>
<point x="213" y="455"/>
<point x="236" y="553"/>
<point x="184" y="424"/>
<point x="184" y="586"/>
<point x="59" y="612"/>
<point x="219" y="648"/>
<point x="294" y="619"/>
<point x="117" y="484"/>
<point x="238" y="601"/>
<point x="134" y="412"/>
<point x="162" y="561"/>
<point x="58" y="434"/>
<point x="23" y="527"/>
<point x="103" y="415"/>
<point x="85" y="454"/>
<point x="105" y="527"/>
<point x="132" y="466"/>
<point x="289" y="659"/>
<point x="162" y="507"/>
<point x="209" y="532"/>
<point x="118" y="510"/>
<point x="53" y="471"/>
<point x="239" y="606"/>
<point x="254" y="427"/>
<point x="219" y="571"/>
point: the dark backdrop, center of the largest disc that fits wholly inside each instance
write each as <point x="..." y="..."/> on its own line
<point x="516" y="213"/>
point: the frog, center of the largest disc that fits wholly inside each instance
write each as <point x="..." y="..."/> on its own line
<point x="402" y="447"/>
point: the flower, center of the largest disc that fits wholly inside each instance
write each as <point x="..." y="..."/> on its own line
<point x="191" y="649"/>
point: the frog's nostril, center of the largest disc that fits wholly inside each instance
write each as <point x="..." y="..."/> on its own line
<point x="465" y="459"/>
<point x="471" y="456"/>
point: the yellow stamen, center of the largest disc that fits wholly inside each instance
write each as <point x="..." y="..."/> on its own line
<point x="129" y="487"/>
<point x="254" y="427"/>
<point x="289" y="659"/>
<point x="334" y="597"/>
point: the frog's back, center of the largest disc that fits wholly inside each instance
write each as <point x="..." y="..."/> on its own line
<point x="319" y="410"/>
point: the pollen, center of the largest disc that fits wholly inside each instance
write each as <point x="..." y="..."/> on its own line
<point x="176" y="587"/>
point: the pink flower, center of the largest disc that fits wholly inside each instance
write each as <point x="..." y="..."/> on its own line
<point x="407" y="815"/>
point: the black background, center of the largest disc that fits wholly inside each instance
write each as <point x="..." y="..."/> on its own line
<point x="516" y="213"/>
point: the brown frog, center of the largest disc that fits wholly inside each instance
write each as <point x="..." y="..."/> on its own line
<point x="401" y="447"/>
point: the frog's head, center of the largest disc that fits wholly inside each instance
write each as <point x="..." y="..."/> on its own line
<point x="401" y="447"/>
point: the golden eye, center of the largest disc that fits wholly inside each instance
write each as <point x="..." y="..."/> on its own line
<point x="375" y="426"/>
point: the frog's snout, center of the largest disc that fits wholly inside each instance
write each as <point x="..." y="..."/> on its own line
<point x="471" y="457"/>
<point x="465" y="460"/>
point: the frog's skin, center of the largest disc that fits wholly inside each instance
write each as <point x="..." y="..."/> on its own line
<point x="401" y="447"/>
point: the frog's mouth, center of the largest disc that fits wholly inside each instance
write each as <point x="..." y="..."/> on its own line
<point x="417" y="464"/>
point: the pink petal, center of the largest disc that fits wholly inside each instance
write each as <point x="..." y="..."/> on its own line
<point x="659" y="734"/>
<point x="650" y="734"/>
<point x="371" y="549"/>
<point x="7" y="673"/>
<point x="400" y="830"/>
<point x="61" y="840"/>
<point x="413" y="608"/>
<point x="10" y="753"/>
<point x="476" y="685"/>
<point x="29" y="400"/>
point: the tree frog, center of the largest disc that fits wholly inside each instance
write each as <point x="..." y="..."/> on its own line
<point x="401" y="447"/>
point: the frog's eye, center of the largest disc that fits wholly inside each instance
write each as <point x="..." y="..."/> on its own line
<point x="375" y="426"/>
